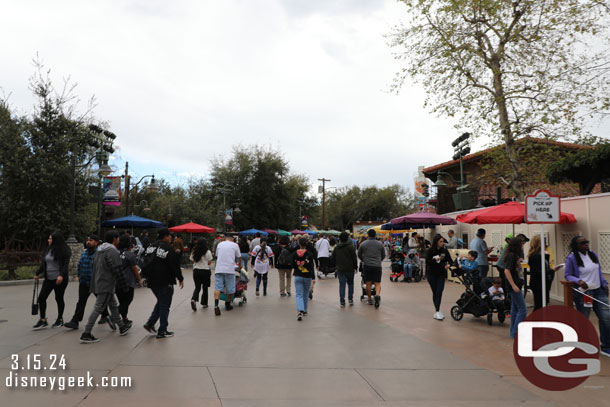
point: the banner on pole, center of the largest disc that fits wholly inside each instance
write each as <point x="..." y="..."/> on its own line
<point x="112" y="191"/>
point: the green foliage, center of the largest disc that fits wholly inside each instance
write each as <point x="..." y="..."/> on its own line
<point x="586" y="167"/>
<point x="347" y="205"/>
<point x="509" y="69"/>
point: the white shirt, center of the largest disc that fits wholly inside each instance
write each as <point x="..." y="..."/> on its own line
<point x="323" y="248"/>
<point x="203" y="263"/>
<point x="412" y="243"/>
<point x="589" y="273"/>
<point x="261" y="266"/>
<point x="492" y="290"/>
<point x="227" y="254"/>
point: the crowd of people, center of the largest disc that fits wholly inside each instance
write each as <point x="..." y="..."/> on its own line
<point x="113" y="268"/>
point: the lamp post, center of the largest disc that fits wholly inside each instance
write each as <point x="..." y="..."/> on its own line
<point x="152" y="186"/>
<point x="322" y="189"/>
<point x="461" y="147"/>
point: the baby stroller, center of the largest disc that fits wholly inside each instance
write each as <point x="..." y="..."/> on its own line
<point x="498" y="306"/>
<point x="470" y="302"/>
<point x="397" y="268"/>
<point x="241" y="286"/>
<point x="363" y="285"/>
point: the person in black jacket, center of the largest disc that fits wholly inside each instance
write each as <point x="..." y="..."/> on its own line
<point x="346" y="262"/>
<point x="534" y="261"/>
<point x="161" y="276"/>
<point x="438" y="261"/>
<point x="54" y="269"/>
<point x="304" y="261"/>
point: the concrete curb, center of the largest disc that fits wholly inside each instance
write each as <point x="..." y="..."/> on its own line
<point x="16" y="282"/>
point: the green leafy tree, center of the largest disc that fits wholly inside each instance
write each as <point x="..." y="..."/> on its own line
<point x="509" y="69"/>
<point x="585" y="167"/>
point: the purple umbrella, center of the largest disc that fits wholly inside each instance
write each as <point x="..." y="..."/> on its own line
<point x="423" y="218"/>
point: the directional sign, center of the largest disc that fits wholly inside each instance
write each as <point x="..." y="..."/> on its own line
<point x="542" y="207"/>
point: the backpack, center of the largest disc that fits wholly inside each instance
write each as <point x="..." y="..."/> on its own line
<point x="285" y="258"/>
<point x="147" y="259"/>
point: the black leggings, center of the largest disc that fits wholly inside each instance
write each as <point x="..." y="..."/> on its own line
<point x="437" y="284"/>
<point x="125" y="298"/>
<point x="201" y="278"/>
<point x="258" y="281"/>
<point x="45" y="291"/>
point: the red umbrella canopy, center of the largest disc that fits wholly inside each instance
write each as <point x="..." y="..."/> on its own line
<point x="298" y="232"/>
<point x="271" y="231"/>
<point x="423" y="218"/>
<point x="192" y="228"/>
<point x="510" y="212"/>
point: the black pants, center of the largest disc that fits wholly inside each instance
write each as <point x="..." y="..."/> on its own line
<point x="201" y="278"/>
<point x="258" y="281"/>
<point x="499" y="304"/>
<point x="125" y="298"/>
<point x="536" y="288"/>
<point x="45" y="291"/>
<point x="437" y="284"/>
<point x="83" y="296"/>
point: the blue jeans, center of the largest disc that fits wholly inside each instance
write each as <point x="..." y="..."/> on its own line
<point x="301" y="285"/>
<point x="244" y="260"/>
<point x="349" y="279"/>
<point x="161" y="311"/>
<point x="483" y="270"/>
<point x="408" y="269"/>
<point x="518" y="311"/>
<point x="602" y="312"/>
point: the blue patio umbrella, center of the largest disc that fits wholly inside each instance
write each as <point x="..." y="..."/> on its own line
<point x="311" y="232"/>
<point x="132" y="221"/>
<point x="252" y="232"/>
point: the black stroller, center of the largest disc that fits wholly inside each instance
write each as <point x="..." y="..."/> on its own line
<point x="474" y="300"/>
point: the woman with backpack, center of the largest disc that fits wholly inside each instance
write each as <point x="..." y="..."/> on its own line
<point x="284" y="266"/>
<point x="262" y="255"/>
<point x="54" y="270"/>
<point x="201" y="257"/>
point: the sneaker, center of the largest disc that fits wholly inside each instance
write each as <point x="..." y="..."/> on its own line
<point x="166" y="334"/>
<point x="40" y="325"/>
<point x="126" y="326"/>
<point x="351" y="303"/>
<point x="264" y="293"/>
<point x="193" y="305"/>
<point x="217" y="311"/>
<point x="437" y="316"/>
<point x="369" y="302"/>
<point x="605" y="352"/>
<point x="204" y="305"/>
<point x="228" y="307"/>
<point x="300" y="316"/>
<point x="59" y="322"/>
<point x="88" y="338"/>
<point x="440" y="314"/>
<point x="304" y="313"/>
<point x="150" y="328"/>
<point x="282" y="294"/>
<point x="377" y="301"/>
<point x="288" y="293"/>
<point x="257" y="293"/>
<point x="127" y="321"/>
<point x="106" y="320"/>
<point x="71" y="325"/>
<point x="342" y="305"/>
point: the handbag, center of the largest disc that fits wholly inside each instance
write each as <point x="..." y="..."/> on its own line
<point x="35" y="299"/>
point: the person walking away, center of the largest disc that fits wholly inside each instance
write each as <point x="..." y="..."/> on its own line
<point x="284" y="266"/>
<point x="178" y="246"/>
<point x="54" y="269"/>
<point x="323" y="249"/>
<point x="583" y="268"/>
<point x="131" y="274"/>
<point x="107" y="275"/>
<point x="411" y="264"/>
<point x="201" y="257"/>
<point x="438" y="261"/>
<point x="346" y="261"/>
<point x="85" y="271"/>
<point x="452" y="242"/>
<point x="262" y="255"/>
<point x="479" y="244"/>
<point x="253" y="243"/>
<point x="244" y="249"/>
<point x="514" y="277"/>
<point x="304" y="273"/>
<point x="533" y="259"/>
<point x="496" y="292"/>
<point x="161" y="271"/>
<point x="371" y="252"/>
<point x="227" y="254"/>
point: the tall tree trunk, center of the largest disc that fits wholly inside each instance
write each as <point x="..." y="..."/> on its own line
<point x="511" y="153"/>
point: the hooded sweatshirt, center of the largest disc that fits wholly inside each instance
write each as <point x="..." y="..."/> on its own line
<point x="412" y="260"/>
<point x="345" y="258"/>
<point x="107" y="272"/>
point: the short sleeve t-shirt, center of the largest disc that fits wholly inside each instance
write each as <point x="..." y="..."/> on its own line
<point x="262" y="264"/>
<point x="480" y="247"/>
<point x="323" y="248"/>
<point x="227" y="254"/>
<point x="128" y="258"/>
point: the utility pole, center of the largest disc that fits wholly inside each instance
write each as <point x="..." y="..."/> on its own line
<point x="126" y="188"/>
<point x="324" y="181"/>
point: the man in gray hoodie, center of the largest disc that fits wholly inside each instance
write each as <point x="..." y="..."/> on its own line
<point x="371" y="252"/>
<point x="106" y="275"/>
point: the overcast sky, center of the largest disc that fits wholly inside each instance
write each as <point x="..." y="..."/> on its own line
<point x="181" y="82"/>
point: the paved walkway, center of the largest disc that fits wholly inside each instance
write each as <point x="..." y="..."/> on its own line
<point x="260" y="355"/>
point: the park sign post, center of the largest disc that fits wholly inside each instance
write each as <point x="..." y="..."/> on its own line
<point x="542" y="207"/>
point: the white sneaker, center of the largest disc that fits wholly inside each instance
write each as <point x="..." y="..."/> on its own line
<point x="440" y="314"/>
<point x="437" y="316"/>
